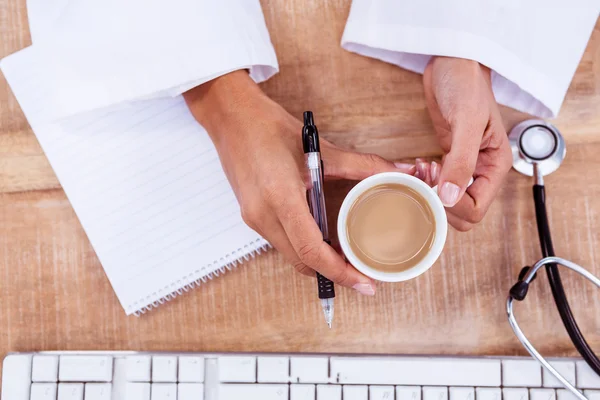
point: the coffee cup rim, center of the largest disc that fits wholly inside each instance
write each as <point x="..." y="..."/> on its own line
<point x="439" y="213"/>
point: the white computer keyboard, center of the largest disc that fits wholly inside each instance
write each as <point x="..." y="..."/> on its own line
<point x="207" y="376"/>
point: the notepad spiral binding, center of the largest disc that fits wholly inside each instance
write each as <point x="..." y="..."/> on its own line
<point x="232" y="260"/>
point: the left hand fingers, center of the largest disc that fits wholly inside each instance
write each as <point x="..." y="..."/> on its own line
<point x="494" y="165"/>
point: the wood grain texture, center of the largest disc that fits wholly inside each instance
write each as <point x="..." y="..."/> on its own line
<point x="55" y="295"/>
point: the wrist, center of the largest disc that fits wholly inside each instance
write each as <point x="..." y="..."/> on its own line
<point x="223" y="101"/>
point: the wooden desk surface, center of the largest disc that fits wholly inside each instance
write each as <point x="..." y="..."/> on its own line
<point x="54" y="294"/>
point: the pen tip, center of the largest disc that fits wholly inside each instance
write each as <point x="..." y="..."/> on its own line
<point x="329" y="324"/>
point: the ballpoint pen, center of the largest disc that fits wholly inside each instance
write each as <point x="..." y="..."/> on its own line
<point x="316" y="203"/>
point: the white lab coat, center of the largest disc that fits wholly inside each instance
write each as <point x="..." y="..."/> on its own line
<point x="151" y="48"/>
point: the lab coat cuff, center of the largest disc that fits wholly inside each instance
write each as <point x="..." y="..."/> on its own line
<point x="515" y="83"/>
<point x="67" y="87"/>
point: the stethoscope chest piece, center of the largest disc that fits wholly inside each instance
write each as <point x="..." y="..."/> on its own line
<point x="536" y="142"/>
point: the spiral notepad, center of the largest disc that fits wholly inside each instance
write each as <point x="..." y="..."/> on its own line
<point x="148" y="188"/>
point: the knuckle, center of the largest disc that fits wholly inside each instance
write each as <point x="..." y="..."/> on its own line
<point x="303" y="268"/>
<point x="309" y="255"/>
<point x="251" y="214"/>
<point x="476" y="215"/>
<point x="463" y="226"/>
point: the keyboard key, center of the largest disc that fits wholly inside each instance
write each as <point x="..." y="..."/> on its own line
<point x="521" y="373"/>
<point x="253" y="392"/>
<point x="435" y="393"/>
<point x="408" y="393"/>
<point x="164" y="369"/>
<point x="237" y="369"/>
<point x="273" y="369"/>
<point x="461" y="393"/>
<point x="488" y="394"/>
<point x="299" y="391"/>
<point x="564" y="394"/>
<point x="381" y="393"/>
<point x="565" y="368"/>
<point x="138" y="368"/>
<point x="329" y="392"/>
<point x="586" y="377"/>
<point x="85" y="368"/>
<point x="355" y="392"/>
<point x="44" y="369"/>
<point x="119" y="382"/>
<point x="211" y="379"/>
<point x="16" y="377"/>
<point x="190" y="391"/>
<point x="515" y="394"/>
<point x="415" y="371"/>
<point x="542" y="394"/>
<point x="309" y="369"/>
<point x="163" y="391"/>
<point x="98" y="391"/>
<point x="191" y="369"/>
<point x="42" y="391"/>
<point x="70" y="391"/>
<point x="592" y="394"/>
<point x="137" y="391"/>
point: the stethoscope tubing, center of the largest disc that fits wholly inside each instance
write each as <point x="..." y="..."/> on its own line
<point x="519" y="333"/>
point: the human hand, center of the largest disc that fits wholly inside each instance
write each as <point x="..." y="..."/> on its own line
<point x="260" y="148"/>
<point x="469" y="127"/>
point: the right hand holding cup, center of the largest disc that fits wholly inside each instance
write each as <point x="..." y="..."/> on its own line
<point x="260" y="147"/>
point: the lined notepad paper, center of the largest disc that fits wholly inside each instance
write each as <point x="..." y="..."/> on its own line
<point x="148" y="188"/>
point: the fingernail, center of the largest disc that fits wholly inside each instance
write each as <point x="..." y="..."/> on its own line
<point x="421" y="170"/>
<point x="364" y="288"/>
<point x="434" y="171"/>
<point x="403" y="165"/>
<point x="449" y="194"/>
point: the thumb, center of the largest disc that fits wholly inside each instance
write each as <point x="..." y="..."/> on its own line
<point x="459" y="165"/>
<point x="349" y="165"/>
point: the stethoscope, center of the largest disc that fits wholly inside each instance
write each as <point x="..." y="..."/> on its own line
<point x="538" y="149"/>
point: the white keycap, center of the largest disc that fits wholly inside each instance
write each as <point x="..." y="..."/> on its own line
<point x="521" y="373"/>
<point x="415" y="371"/>
<point x="488" y="394"/>
<point x="211" y="379"/>
<point x="515" y="394"/>
<point x="85" y="368"/>
<point x="237" y="369"/>
<point x="98" y="391"/>
<point x="164" y="369"/>
<point x="191" y="369"/>
<point x="273" y="369"/>
<point x="119" y="383"/>
<point x="461" y="393"/>
<point x="408" y="393"/>
<point x="309" y="369"/>
<point x="542" y="394"/>
<point x="70" y="391"/>
<point x="137" y="391"/>
<point x="300" y="391"/>
<point x="329" y="392"/>
<point x="586" y="377"/>
<point x="163" y="391"/>
<point x="16" y="377"/>
<point x="138" y="368"/>
<point x="253" y="392"/>
<point x="564" y="394"/>
<point x="44" y="369"/>
<point x="381" y="393"/>
<point x="190" y="391"/>
<point x="592" y="394"/>
<point x="435" y="393"/>
<point x="565" y="368"/>
<point x="355" y="392"/>
<point x="42" y="391"/>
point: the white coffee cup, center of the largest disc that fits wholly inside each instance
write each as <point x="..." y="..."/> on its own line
<point x="439" y="215"/>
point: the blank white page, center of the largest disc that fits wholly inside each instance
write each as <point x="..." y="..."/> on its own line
<point x="147" y="186"/>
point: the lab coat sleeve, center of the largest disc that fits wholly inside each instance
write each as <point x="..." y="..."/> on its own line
<point x="125" y="51"/>
<point x="532" y="47"/>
